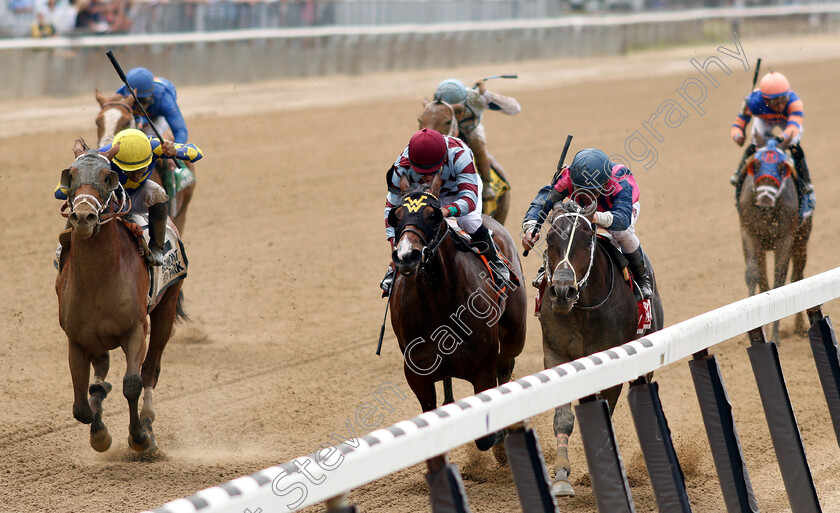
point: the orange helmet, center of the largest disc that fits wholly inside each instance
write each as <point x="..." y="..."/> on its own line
<point x="773" y="85"/>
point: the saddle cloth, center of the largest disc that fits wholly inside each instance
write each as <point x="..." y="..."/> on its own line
<point x="174" y="268"/>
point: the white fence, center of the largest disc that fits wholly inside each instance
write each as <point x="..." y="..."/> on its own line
<point x="69" y="66"/>
<point x="385" y="451"/>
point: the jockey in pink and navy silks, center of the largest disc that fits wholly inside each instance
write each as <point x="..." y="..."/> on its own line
<point x="591" y="176"/>
<point x="774" y="105"/>
<point x="428" y="154"/>
<point x="159" y="97"/>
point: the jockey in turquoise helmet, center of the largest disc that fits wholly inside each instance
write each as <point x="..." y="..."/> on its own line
<point x="452" y="91"/>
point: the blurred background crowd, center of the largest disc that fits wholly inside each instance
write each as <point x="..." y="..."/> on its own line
<point x="45" y="18"/>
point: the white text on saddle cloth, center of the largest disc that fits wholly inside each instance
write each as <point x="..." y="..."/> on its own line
<point x="645" y="316"/>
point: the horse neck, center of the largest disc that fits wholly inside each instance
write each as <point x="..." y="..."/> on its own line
<point x="99" y="255"/>
<point x="600" y="277"/>
<point x="437" y="273"/>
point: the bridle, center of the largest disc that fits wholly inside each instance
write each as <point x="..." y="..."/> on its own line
<point x="430" y="246"/>
<point x="453" y="127"/>
<point x="103" y="217"/>
<point x="558" y="273"/>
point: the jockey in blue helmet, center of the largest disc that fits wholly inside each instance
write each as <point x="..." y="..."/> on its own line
<point x="159" y="97"/>
<point x="592" y="177"/>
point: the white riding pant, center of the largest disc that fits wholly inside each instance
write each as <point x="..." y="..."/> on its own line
<point x="627" y="239"/>
<point x="148" y="194"/>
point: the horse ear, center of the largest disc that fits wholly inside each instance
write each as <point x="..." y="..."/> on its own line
<point x="113" y="180"/>
<point x="112" y="152"/>
<point x="129" y="100"/>
<point x="65" y="179"/>
<point x="78" y="147"/>
<point x="404" y="184"/>
<point x="100" y="97"/>
<point x="426" y="102"/>
<point x="437" y="181"/>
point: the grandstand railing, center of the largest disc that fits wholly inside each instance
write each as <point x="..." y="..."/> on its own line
<point x="385" y="451"/>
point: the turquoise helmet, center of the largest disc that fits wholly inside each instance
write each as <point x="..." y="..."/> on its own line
<point x="451" y="91"/>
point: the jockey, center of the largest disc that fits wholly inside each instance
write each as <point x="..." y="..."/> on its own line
<point x="429" y="153"/>
<point x="133" y="163"/>
<point x="474" y="101"/>
<point x="158" y="96"/>
<point x="592" y="177"/>
<point x="775" y="105"/>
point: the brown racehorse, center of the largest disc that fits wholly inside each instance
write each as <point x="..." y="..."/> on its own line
<point x="444" y="117"/>
<point x="768" y="208"/>
<point x="445" y="311"/>
<point x="115" y="115"/>
<point x="587" y="308"/>
<point x="102" y="288"/>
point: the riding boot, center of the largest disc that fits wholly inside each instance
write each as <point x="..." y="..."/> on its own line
<point x="158" y="215"/>
<point x="482" y="239"/>
<point x="641" y="272"/>
<point x="738" y="178"/>
<point x="807" y="198"/>
<point x="388" y="281"/>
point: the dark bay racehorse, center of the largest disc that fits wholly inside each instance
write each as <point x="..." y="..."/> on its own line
<point x="102" y="288"/>
<point x="768" y="208"/>
<point x="115" y="115"/>
<point x="446" y="313"/>
<point x="587" y="308"/>
<point x="444" y="117"/>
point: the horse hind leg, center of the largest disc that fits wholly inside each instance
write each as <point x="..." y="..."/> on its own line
<point x="184" y="198"/>
<point x="100" y="437"/>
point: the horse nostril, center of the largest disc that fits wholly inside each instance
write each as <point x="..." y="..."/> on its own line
<point x="571" y="292"/>
<point x="415" y="255"/>
<point x="90" y="218"/>
<point x="73" y="217"/>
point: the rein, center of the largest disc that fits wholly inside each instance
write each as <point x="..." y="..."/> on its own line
<point x="579" y="284"/>
<point x="609" y="293"/>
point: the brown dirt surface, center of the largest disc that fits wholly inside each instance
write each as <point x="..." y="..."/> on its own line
<point x="286" y="248"/>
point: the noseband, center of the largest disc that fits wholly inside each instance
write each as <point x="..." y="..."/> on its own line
<point x="578" y="284"/>
<point x="100" y="208"/>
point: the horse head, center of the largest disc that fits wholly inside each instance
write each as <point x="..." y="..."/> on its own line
<point x="769" y="169"/>
<point x="441" y="116"/>
<point x="418" y="225"/>
<point x="90" y="184"/>
<point x="115" y="115"/>
<point x="569" y="255"/>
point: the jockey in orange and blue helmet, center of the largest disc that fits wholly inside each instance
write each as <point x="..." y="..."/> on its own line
<point x="592" y="177"/>
<point x="159" y="97"/>
<point x="428" y="154"/>
<point x="134" y="163"/>
<point x="775" y="105"/>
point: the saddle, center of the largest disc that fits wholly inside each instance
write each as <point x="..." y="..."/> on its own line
<point x="173" y="270"/>
<point x="463" y="242"/>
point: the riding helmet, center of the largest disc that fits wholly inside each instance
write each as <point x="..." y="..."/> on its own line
<point x="426" y="151"/>
<point x="452" y="91"/>
<point x="135" y="151"/>
<point x="773" y="85"/>
<point x="142" y="81"/>
<point x="590" y="169"/>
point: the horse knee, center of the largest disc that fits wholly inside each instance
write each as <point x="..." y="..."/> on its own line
<point x="564" y="420"/>
<point x="132" y="386"/>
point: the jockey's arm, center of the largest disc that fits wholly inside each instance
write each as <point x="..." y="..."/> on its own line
<point x="622" y="212"/>
<point x="467" y="184"/>
<point x="795" y="116"/>
<point x="189" y="151"/>
<point x="168" y="108"/>
<point x="541" y="206"/>
<point x="498" y="102"/>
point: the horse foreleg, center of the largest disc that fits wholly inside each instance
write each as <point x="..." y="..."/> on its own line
<point x="502" y="207"/>
<point x="564" y="423"/>
<point x="798" y="257"/>
<point x="448" y="396"/>
<point x="751" y="257"/>
<point x="80" y="374"/>
<point x="100" y="438"/>
<point x="782" y="263"/>
<point x="138" y="438"/>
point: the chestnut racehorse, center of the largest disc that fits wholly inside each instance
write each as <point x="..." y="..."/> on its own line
<point x="444" y="117"/>
<point x="115" y="115"/>
<point x="102" y="287"/>
<point x="448" y="317"/>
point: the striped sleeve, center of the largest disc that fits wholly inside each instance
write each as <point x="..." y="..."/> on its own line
<point x="188" y="151"/>
<point x="393" y="198"/>
<point x="462" y="169"/>
<point x="796" y="115"/>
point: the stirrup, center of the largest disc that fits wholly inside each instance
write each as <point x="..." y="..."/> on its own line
<point x="154" y="258"/>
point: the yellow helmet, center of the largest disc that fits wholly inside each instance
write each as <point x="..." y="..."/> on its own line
<point x="135" y="150"/>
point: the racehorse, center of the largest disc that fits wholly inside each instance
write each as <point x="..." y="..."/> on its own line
<point x="443" y="117"/>
<point x="587" y="308"/>
<point x="768" y="210"/>
<point x="102" y="286"/>
<point x="115" y="115"/>
<point x="449" y="318"/>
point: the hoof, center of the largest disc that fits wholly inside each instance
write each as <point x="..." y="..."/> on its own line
<point x="561" y="487"/>
<point x="486" y="442"/>
<point x="101" y="440"/>
<point x="145" y="444"/>
<point x="500" y="454"/>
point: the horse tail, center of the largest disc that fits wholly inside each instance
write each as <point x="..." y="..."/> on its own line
<point x="180" y="313"/>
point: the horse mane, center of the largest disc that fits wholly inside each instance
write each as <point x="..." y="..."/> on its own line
<point x="568" y="206"/>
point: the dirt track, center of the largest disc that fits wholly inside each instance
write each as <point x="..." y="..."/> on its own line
<point x="286" y="249"/>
